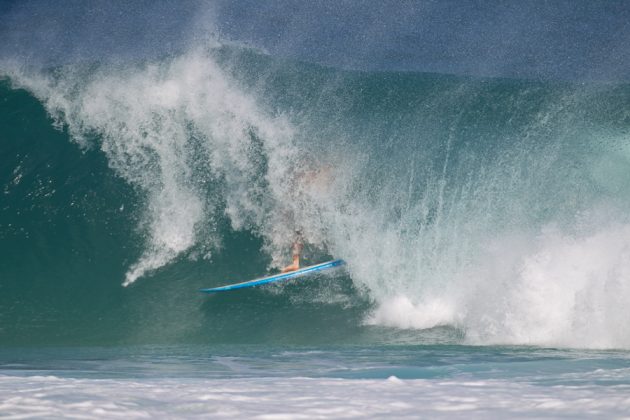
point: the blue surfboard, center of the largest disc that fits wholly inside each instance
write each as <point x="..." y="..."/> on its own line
<point x="276" y="277"/>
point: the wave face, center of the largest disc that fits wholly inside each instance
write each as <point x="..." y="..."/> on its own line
<point x="491" y="209"/>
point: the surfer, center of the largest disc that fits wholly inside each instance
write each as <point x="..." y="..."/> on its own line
<point x="298" y="245"/>
<point x="314" y="182"/>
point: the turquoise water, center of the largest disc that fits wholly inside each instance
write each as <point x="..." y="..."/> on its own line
<point x="538" y="366"/>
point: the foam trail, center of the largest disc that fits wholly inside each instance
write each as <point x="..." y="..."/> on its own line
<point x="304" y="397"/>
<point x="568" y="291"/>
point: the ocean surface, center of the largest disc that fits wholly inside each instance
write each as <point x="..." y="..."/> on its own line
<point x="482" y="212"/>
